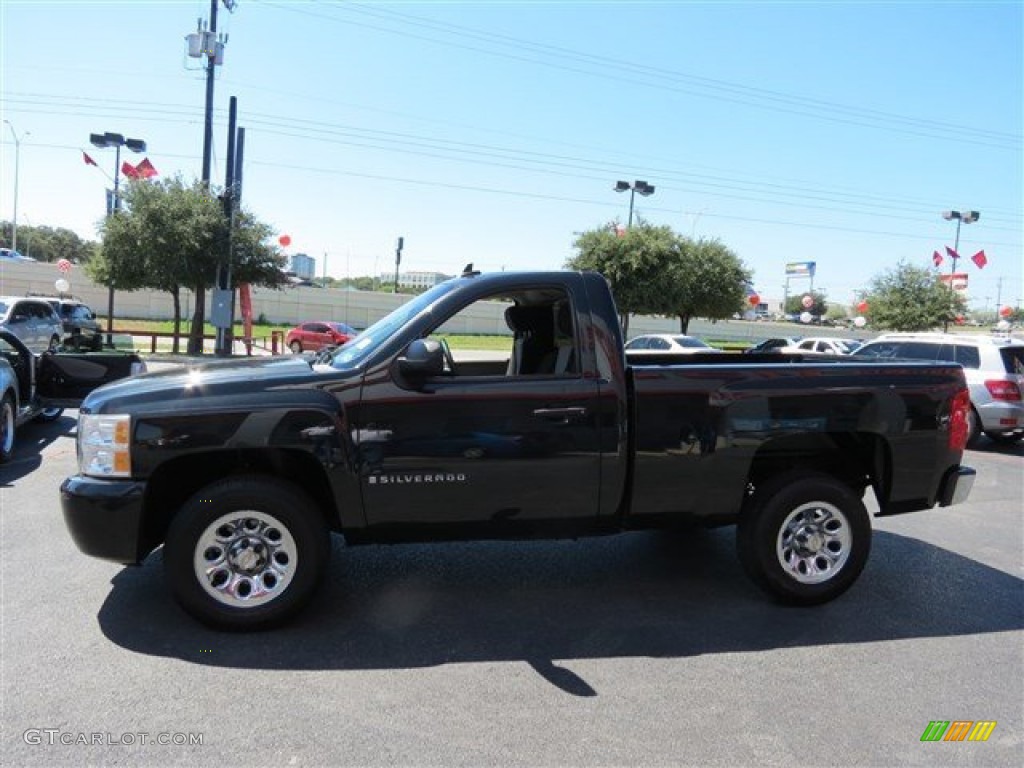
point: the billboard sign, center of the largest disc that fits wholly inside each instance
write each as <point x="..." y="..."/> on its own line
<point x="800" y="269"/>
<point x="957" y="281"/>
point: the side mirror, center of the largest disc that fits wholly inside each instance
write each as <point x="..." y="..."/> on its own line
<point x="422" y="358"/>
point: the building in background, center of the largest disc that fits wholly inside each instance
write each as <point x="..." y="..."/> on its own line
<point x="303" y="266"/>
<point x="416" y="279"/>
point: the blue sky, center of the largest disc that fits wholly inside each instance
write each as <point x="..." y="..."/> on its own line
<point x="492" y="132"/>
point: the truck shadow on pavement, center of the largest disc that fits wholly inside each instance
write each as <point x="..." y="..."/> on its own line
<point x="29" y="442"/>
<point x="642" y="594"/>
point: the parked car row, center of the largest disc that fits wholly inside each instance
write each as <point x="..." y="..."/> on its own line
<point x="46" y="323"/>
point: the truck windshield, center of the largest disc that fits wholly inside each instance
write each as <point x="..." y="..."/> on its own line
<point x="363" y="346"/>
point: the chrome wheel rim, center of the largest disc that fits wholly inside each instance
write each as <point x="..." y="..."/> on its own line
<point x="814" y="542"/>
<point x="245" y="559"/>
<point x="7" y="427"/>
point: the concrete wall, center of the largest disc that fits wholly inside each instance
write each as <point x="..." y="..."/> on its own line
<point x="357" y="308"/>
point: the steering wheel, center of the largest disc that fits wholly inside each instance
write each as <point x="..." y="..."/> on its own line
<point x="449" y="360"/>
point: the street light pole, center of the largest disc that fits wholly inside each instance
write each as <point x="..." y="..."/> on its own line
<point x="17" y="162"/>
<point x="964" y="217"/>
<point x="116" y="140"/>
<point x="642" y="187"/>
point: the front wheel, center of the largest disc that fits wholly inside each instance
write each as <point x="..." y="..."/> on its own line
<point x="246" y="553"/>
<point x="295" y="347"/>
<point x="805" y="538"/>
<point x="6" y="429"/>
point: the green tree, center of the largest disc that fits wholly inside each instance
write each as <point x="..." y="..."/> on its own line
<point x="706" y="279"/>
<point x="795" y="304"/>
<point x="909" y="298"/>
<point x="170" y="235"/>
<point x="49" y="244"/>
<point x="635" y="262"/>
<point x="654" y="271"/>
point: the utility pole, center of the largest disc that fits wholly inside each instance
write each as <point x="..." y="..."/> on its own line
<point x="398" y="260"/>
<point x="204" y="43"/>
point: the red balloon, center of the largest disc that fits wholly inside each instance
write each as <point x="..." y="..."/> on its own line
<point x="807" y="301"/>
<point x="754" y="299"/>
<point x="284" y="240"/>
<point x="1005" y="311"/>
<point x="960" y="319"/>
<point x="862" y="307"/>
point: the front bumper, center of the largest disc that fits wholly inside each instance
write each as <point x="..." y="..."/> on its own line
<point x="956" y="486"/>
<point x="104" y="517"/>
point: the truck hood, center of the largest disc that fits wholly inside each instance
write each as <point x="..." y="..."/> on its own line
<point x="214" y="379"/>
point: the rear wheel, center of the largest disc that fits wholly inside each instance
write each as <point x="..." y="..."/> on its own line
<point x="1005" y="438"/>
<point x="805" y="539"/>
<point x="295" y="347"/>
<point x="973" y="426"/>
<point x="6" y="429"/>
<point x="246" y="553"/>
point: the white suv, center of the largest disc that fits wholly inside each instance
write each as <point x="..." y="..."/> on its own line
<point x="993" y="365"/>
<point x="33" y="321"/>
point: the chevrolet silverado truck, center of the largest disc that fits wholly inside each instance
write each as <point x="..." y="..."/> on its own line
<point x="242" y="470"/>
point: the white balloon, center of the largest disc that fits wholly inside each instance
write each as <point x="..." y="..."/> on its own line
<point x="860" y="322"/>
<point x="1003" y="325"/>
<point x="806" y="317"/>
<point x="61" y="285"/>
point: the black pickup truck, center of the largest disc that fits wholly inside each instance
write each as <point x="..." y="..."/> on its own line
<point x="242" y="469"/>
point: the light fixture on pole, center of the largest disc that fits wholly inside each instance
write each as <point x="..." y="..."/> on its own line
<point x="962" y="217"/>
<point x="637" y="187"/>
<point x="17" y="161"/>
<point x="116" y="140"/>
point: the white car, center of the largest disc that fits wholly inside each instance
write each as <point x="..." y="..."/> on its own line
<point x="993" y="365"/>
<point x="32" y="320"/>
<point x="824" y="345"/>
<point x="668" y="343"/>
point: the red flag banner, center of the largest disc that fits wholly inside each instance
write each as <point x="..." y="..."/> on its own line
<point x="145" y="169"/>
<point x="130" y="170"/>
<point x="88" y="160"/>
<point x="952" y="254"/>
<point x="936" y="258"/>
<point x="980" y="259"/>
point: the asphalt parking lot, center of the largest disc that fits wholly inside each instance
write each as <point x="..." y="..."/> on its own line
<point x="640" y="649"/>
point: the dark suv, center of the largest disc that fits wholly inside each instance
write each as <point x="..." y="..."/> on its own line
<point x="81" y="328"/>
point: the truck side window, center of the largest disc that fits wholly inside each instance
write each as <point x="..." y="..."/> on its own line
<point x="538" y="338"/>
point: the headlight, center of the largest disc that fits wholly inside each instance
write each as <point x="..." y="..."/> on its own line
<point x="104" y="445"/>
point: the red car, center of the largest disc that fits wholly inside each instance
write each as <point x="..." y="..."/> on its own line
<point x="311" y="337"/>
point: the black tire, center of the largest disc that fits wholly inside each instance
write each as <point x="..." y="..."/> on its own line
<point x="1005" y="438"/>
<point x="47" y="415"/>
<point x="973" y="427"/>
<point x="7" y="427"/>
<point x="805" y="538"/>
<point x="246" y="553"/>
<point x="295" y="347"/>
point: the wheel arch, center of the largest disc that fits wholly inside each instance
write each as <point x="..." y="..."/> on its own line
<point x="858" y="460"/>
<point x="175" y="481"/>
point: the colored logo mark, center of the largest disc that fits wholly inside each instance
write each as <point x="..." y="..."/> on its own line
<point x="958" y="730"/>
